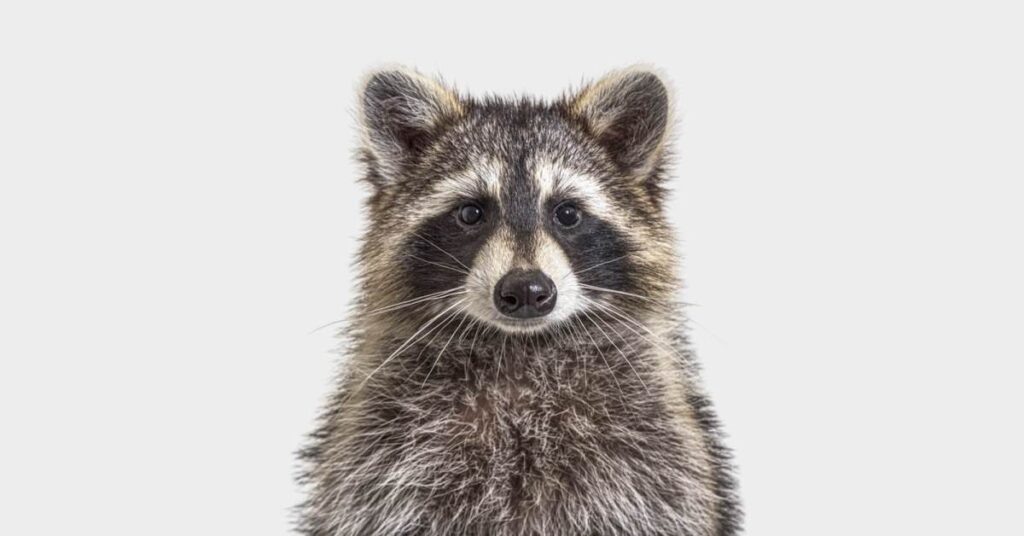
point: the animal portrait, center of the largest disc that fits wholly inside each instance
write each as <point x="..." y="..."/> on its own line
<point x="516" y="361"/>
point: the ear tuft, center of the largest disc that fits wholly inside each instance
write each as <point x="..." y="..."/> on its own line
<point x="401" y="111"/>
<point x="628" y="112"/>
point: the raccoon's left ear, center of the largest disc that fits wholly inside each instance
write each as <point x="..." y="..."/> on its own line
<point x="628" y="113"/>
<point x="401" y="111"/>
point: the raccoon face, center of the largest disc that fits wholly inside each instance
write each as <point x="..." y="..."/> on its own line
<point x="517" y="213"/>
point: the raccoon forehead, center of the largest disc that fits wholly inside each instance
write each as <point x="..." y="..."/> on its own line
<point x="489" y="179"/>
<point x="555" y="181"/>
<point x="481" y="180"/>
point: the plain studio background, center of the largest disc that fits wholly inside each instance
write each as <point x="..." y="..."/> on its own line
<point x="179" y="211"/>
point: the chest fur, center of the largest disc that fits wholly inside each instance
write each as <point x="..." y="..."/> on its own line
<point x="525" y="447"/>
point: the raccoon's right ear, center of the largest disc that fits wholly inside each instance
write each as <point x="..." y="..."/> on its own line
<point x="401" y="111"/>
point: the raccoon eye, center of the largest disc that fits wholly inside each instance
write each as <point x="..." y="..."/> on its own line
<point x="567" y="215"/>
<point x="471" y="214"/>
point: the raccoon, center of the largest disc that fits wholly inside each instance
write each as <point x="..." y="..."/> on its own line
<point x="517" y="362"/>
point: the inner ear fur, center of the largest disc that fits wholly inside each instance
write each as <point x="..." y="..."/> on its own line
<point x="401" y="111"/>
<point x="627" y="112"/>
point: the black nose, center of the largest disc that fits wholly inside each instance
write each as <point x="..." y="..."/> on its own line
<point x="525" y="294"/>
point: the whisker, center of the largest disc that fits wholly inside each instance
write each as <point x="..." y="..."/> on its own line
<point x="619" y="313"/>
<point x="501" y="356"/>
<point x="622" y="313"/>
<point x="442" y="250"/>
<point x="469" y="357"/>
<point x="440" y="265"/>
<point x="420" y="299"/>
<point x="436" y="330"/>
<point x="434" y="296"/>
<point x="653" y="337"/>
<point x="632" y="295"/>
<point x="407" y="343"/>
<point x="611" y="372"/>
<point x="623" y="354"/>
<point x="570" y="328"/>
<point x="472" y="322"/>
<point x="318" y="328"/>
<point x="598" y="265"/>
<point x="472" y="345"/>
<point x="443" y="348"/>
<point x="622" y="317"/>
<point x="613" y="291"/>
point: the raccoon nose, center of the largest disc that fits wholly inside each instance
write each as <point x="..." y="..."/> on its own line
<point x="525" y="294"/>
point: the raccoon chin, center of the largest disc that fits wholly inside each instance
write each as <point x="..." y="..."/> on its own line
<point x="524" y="326"/>
<point x="520" y="326"/>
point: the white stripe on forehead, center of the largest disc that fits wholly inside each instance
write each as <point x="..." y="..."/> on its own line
<point x="555" y="181"/>
<point x="480" y="180"/>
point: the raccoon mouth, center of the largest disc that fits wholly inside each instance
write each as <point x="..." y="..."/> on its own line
<point x="523" y="324"/>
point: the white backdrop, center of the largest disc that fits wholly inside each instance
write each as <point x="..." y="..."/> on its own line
<point x="178" y="211"/>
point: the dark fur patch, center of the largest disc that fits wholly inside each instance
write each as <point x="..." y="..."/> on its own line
<point x="519" y="198"/>
<point x="600" y="255"/>
<point x="441" y="249"/>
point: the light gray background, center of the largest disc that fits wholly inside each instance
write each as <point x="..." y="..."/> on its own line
<point x="178" y="211"/>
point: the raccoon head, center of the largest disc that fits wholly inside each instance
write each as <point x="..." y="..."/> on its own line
<point x="518" y="213"/>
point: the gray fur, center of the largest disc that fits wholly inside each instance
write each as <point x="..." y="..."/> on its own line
<point x="444" y="423"/>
